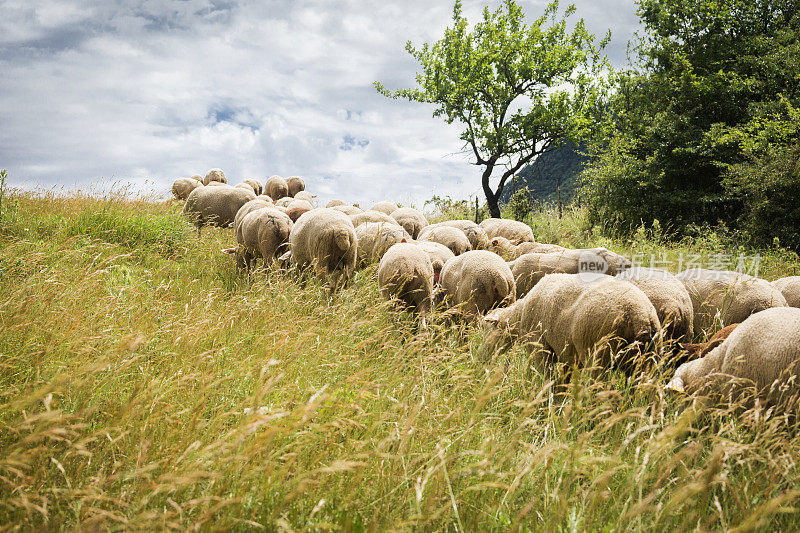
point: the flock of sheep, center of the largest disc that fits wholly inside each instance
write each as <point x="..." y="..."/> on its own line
<point x="581" y="306"/>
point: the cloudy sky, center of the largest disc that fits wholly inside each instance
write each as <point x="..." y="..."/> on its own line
<point x="96" y="92"/>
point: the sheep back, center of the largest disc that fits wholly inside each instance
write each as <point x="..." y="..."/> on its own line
<point x="325" y="239"/>
<point x="405" y="274"/>
<point x="477" y="281"/>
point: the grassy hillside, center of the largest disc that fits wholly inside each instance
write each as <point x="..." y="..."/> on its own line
<point x="541" y="177"/>
<point x="147" y="384"/>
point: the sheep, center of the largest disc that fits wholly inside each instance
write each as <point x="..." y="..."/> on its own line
<point x="215" y="174"/>
<point x="405" y="275"/>
<point x="348" y="209"/>
<point x="384" y="207"/>
<point x="574" y="317"/>
<point x="477" y="281"/>
<point x="266" y="198"/>
<point x="511" y="251"/>
<point x="790" y="288"/>
<point x="476" y="234"/>
<point x="261" y="233"/>
<point x="439" y="255"/>
<point x="276" y="187"/>
<point x="197" y="177"/>
<point x="305" y="195"/>
<point x="451" y="237"/>
<point x="374" y="238"/>
<point x="334" y="203"/>
<point x="670" y="298"/>
<point x="297" y="207"/>
<point x="182" y="187"/>
<point x="411" y="220"/>
<point x="245" y="185"/>
<point x="510" y="229"/>
<point x="701" y="349"/>
<point x="249" y="207"/>
<point x="255" y="184"/>
<point x="529" y="269"/>
<point x="729" y="296"/>
<point x="217" y="184"/>
<point x="371" y="216"/>
<point x="284" y="202"/>
<point x="325" y="239"/>
<point x="215" y="205"/>
<point x="295" y="184"/>
<point x="761" y="356"/>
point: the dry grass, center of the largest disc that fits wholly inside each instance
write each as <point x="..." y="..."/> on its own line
<point x="146" y="384"/>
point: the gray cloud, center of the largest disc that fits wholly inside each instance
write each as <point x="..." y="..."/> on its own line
<point x="146" y="91"/>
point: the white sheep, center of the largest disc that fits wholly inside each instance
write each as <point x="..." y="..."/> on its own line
<point x="305" y="195"/>
<point x="439" y="254"/>
<point x="411" y="220"/>
<point x="510" y="251"/>
<point x="374" y="238"/>
<point x="510" y="229"/>
<point x="449" y="236"/>
<point x="295" y="185"/>
<point x="296" y="208"/>
<point x="790" y="288"/>
<point x="405" y="275"/>
<point x="575" y="317"/>
<point x="325" y="240"/>
<point x="476" y="234"/>
<point x="255" y="184"/>
<point x="728" y="296"/>
<point x="276" y="187"/>
<point x="261" y="233"/>
<point x="477" y="281"/>
<point x="215" y="205"/>
<point x="215" y="174"/>
<point x="334" y="203"/>
<point x="348" y="209"/>
<point x="761" y="355"/>
<point x="384" y="207"/>
<point x="182" y="187"/>
<point x="670" y="298"/>
<point x="370" y="216"/>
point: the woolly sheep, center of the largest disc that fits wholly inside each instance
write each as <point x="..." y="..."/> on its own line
<point x="249" y="207"/>
<point x="261" y="233"/>
<point x="790" y="288"/>
<point x="476" y="234"/>
<point x="215" y="174"/>
<point x="266" y="198"/>
<point x="325" y="239"/>
<point x="405" y="274"/>
<point x="348" y="209"/>
<point x="762" y="352"/>
<point x="255" y="184"/>
<point x="374" y="238"/>
<point x="411" y="220"/>
<point x="731" y="296"/>
<point x="285" y="201"/>
<point x="334" y="203"/>
<point x="575" y="316"/>
<point x="197" y="177"/>
<point x="215" y="205"/>
<point x="477" y="281"/>
<point x="218" y="184"/>
<point x="305" y="195"/>
<point x="529" y="269"/>
<point x="245" y="185"/>
<point x="371" y="216"/>
<point x="449" y="236"/>
<point x="295" y="184"/>
<point x="510" y="251"/>
<point x="384" y="207"/>
<point x="276" y="188"/>
<point x="439" y="254"/>
<point x="670" y="298"/>
<point x="182" y="187"/>
<point x="510" y="229"/>
<point x="297" y="207"/>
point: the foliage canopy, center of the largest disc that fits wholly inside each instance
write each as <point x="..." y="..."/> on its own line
<point x="519" y="89"/>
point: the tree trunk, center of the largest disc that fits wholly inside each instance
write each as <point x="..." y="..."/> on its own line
<point x="491" y="196"/>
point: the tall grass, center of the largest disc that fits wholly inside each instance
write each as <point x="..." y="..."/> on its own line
<point x="147" y="385"/>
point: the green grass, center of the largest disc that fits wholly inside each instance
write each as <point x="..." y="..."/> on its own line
<point x="146" y="384"/>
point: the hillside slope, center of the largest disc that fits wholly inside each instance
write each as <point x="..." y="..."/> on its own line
<point x="563" y="163"/>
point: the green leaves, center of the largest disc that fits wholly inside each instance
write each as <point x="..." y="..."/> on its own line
<point x="518" y="89"/>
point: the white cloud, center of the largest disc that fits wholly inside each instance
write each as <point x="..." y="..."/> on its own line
<point x="151" y="90"/>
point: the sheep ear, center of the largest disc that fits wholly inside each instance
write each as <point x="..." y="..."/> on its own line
<point x="403" y="240"/>
<point x="229" y="251"/>
<point x="675" y="386"/>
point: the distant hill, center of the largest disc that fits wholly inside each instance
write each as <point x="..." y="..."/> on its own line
<point x="564" y="162"/>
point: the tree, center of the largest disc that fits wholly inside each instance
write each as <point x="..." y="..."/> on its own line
<point x="704" y="67"/>
<point x="518" y="89"/>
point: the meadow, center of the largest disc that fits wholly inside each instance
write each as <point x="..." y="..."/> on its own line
<point x="146" y="384"/>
